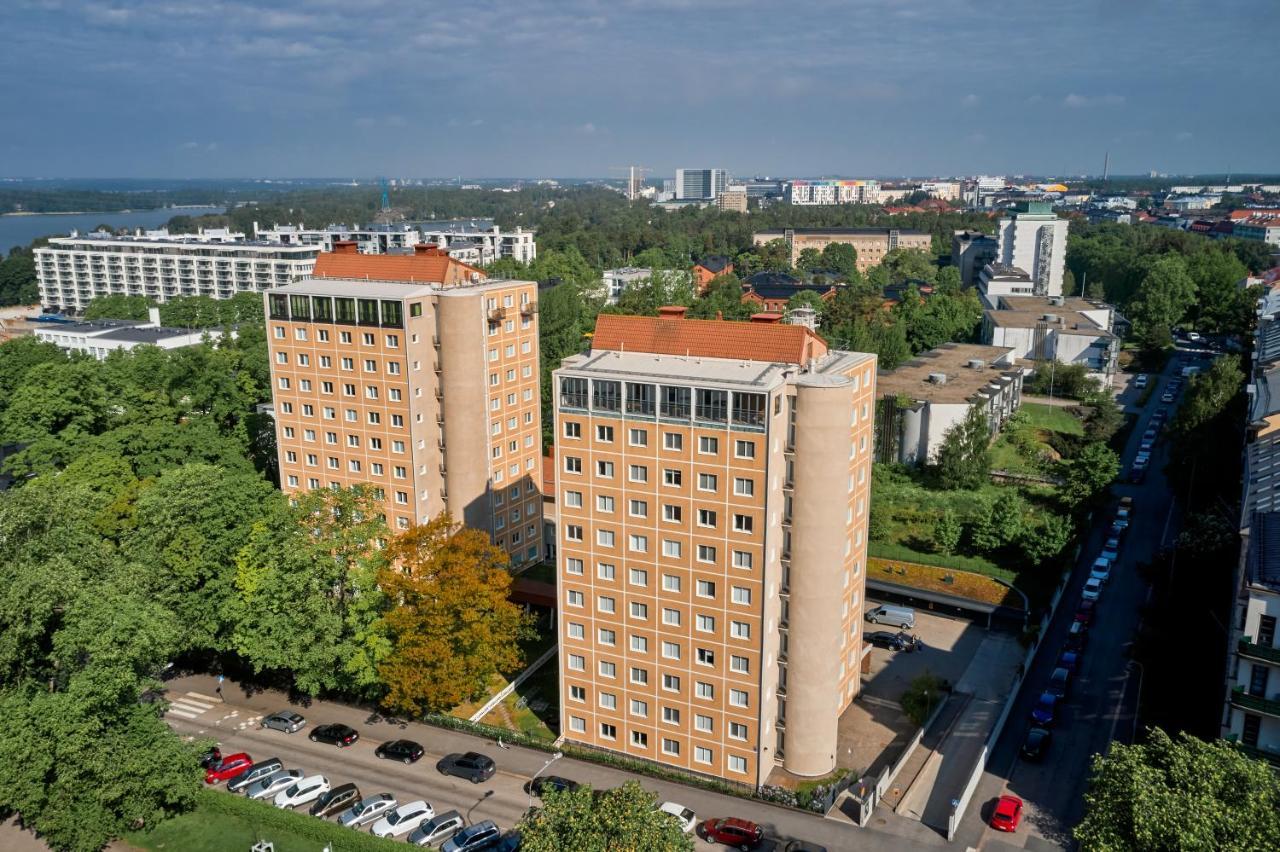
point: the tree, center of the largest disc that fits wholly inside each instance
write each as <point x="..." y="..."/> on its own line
<point x="306" y="600"/>
<point x="117" y="306"/>
<point x="963" y="460"/>
<point x="775" y="255"/>
<point x="1223" y="306"/>
<point x="999" y="524"/>
<point x="18" y="279"/>
<point x="809" y="260"/>
<point x="1046" y="539"/>
<point x="946" y="533"/>
<point x="723" y="298"/>
<point x="949" y="281"/>
<point x="620" y="819"/>
<point x="1208" y="395"/>
<point x="1183" y="794"/>
<point x="1087" y="474"/>
<point x="841" y="258"/>
<point x="567" y="266"/>
<point x="450" y="624"/>
<point x="1162" y="300"/>
<point x="807" y="299"/>
<point x="565" y="318"/>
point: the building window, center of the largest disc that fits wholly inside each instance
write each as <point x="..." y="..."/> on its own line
<point x="671" y="650"/>
<point x="604" y="434"/>
<point x="744" y="487"/>
<point x="608" y="732"/>
<point x="743" y="523"/>
<point x="706" y="518"/>
<point x="702" y="754"/>
<point x="577" y="662"/>
<point x="640" y="644"/>
<point x="573" y="532"/>
<point x="706" y="623"/>
<point x="671" y="477"/>
<point x="608" y="701"/>
<point x="672" y="441"/>
<point x="744" y="449"/>
<point x="703" y="723"/>
<point x="575" y="598"/>
<point x="708" y="445"/>
<point x="671" y="683"/>
<point x="606" y="636"/>
<point x="638" y="509"/>
<point x="706" y="657"/>
<point x="742" y="559"/>
<point x="706" y="482"/>
<point x="639" y="676"/>
<point x="604" y="469"/>
<point x="671" y="617"/>
<point x="573" y="566"/>
<point x="671" y="513"/>
<point x="638" y="544"/>
<point x="741" y="595"/>
<point x="572" y="464"/>
<point x="604" y="504"/>
<point x="639" y="438"/>
<point x="739" y="630"/>
<point x="671" y="548"/>
<point x="639" y="611"/>
<point x="706" y="589"/>
<point x="639" y="708"/>
<point x="736" y="763"/>
<point x="739" y="664"/>
<point x="606" y="570"/>
<point x="608" y="669"/>
<point x="576" y="631"/>
<point x="604" y="603"/>
<point x="670" y="746"/>
<point x="738" y="697"/>
<point x="638" y="473"/>
<point x="639" y="577"/>
<point x="706" y="553"/>
<point x="670" y="583"/>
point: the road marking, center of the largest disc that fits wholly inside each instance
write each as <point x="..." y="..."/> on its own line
<point x="173" y="711"/>
<point x="204" y="697"/>
<point x="191" y="707"/>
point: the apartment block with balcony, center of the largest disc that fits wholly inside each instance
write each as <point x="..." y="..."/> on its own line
<point x="426" y="390"/>
<point x="73" y="271"/>
<point x="713" y="493"/>
<point x="872" y="244"/>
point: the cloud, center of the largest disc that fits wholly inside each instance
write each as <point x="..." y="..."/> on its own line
<point x="1183" y="135"/>
<point x="1082" y="101"/>
<point x="587" y="128"/>
<point x="189" y="146"/>
<point x="1034" y="99"/>
<point x="970" y="100"/>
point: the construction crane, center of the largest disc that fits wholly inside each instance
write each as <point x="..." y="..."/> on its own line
<point x="635" y="179"/>
<point x="386" y="199"/>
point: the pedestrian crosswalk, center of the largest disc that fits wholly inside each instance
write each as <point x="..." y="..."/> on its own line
<point x="190" y="706"/>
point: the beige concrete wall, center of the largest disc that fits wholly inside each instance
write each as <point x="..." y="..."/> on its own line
<point x="462" y="370"/>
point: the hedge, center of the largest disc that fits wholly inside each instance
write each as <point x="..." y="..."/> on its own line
<point x="267" y="816"/>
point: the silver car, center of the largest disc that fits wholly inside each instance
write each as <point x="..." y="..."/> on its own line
<point x="437" y="830"/>
<point x="275" y="782"/>
<point x="285" y="720"/>
<point x="367" y="810"/>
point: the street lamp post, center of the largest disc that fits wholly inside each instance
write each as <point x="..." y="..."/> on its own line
<point x="550" y="761"/>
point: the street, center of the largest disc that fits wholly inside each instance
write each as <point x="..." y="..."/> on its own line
<point x="1101" y="704"/>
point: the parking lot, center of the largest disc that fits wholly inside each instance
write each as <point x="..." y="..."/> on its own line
<point x="948" y="645"/>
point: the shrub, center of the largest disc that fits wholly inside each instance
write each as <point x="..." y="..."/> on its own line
<point x="923" y="697"/>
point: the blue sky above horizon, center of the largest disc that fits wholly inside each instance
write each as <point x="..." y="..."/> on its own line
<point x="223" y="88"/>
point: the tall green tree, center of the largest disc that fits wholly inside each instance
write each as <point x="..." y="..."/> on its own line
<point x="1088" y="474"/>
<point x="841" y="258"/>
<point x="18" y="279"/>
<point x="963" y="459"/>
<point x="1183" y="794"/>
<point x="621" y="819"/>
<point x="1163" y="298"/>
<point x="1208" y="394"/>
<point x="117" y="306"/>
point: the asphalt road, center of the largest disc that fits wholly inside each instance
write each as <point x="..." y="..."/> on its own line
<point x="1102" y="703"/>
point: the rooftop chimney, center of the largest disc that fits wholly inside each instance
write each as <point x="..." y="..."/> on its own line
<point x="766" y="318"/>
<point x="672" y="311"/>
<point x="429" y="249"/>
<point x="345" y="247"/>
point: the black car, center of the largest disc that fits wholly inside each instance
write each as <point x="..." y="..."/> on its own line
<point x="1036" y="744"/>
<point x="550" y="784"/>
<point x="335" y="801"/>
<point x="211" y="758"/>
<point x="473" y="766"/>
<point x="336" y="734"/>
<point x="1059" y="682"/>
<point x="406" y="751"/>
<point x="893" y="641"/>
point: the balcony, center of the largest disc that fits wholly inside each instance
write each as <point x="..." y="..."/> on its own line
<point x="528" y="309"/>
<point x="1248" y="648"/>
<point x="1256" y="753"/>
<point x="1256" y="703"/>
<point x="497" y="314"/>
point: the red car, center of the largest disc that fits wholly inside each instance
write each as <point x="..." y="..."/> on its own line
<point x="1086" y="611"/>
<point x="231" y="766"/>
<point x="1007" y="814"/>
<point x="733" y="832"/>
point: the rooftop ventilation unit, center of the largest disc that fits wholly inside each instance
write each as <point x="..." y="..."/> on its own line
<point x="938" y="378"/>
<point x="976" y="363"/>
<point x="1051" y="318"/>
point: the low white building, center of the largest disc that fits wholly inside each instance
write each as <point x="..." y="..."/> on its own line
<point x="997" y="280"/>
<point x="100" y="338"/>
<point x="1068" y="331"/>
<point x="923" y="399"/>
<point x="615" y="281"/>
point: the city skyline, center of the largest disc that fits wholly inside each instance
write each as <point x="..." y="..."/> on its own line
<point x="576" y="88"/>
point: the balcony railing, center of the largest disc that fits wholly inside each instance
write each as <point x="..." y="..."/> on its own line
<point x="1271" y="757"/>
<point x="1245" y="701"/>
<point x="1248" y="648"/>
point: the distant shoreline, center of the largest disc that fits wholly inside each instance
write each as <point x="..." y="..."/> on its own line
<point x="111" y="212"/>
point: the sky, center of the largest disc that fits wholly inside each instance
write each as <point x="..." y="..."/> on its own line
<point x="574" y="88"/>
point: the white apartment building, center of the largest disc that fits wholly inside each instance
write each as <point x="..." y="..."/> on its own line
<point x="615" y="281"/>
<point x="74" y="270"/>
<point x="100" y="338"/>
<point x="825" y="192"/>
<point x="1068" y="331"/>
<point x="475" y="241"/>
<point x="1033" y="238"/>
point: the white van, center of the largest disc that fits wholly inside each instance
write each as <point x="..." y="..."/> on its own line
<point x="899" y="616"/>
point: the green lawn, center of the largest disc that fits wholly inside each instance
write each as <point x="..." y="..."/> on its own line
<point x="1052" y="418"/>
<point x="207" y="830"/>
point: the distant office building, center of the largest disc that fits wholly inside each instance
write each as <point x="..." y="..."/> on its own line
<point x="1033" y="238"/>
<point x="947" y="190"/>
<point x="419" y="377"/>
<point x="872" y="244"/>
<point x="477" y="241"/>
<point x="970" y="251"/>
<point x="827" y="192"/>
<point x="1068" y="331"/>
<point x="714" y="492"/>
<point x="100" y="338"/>
<point x="733" y="198"/>
<point x="700" y="184"/>
<point x="923" y="399"/>
<point x="764" y="188"/>
<point x="73" y="271"/>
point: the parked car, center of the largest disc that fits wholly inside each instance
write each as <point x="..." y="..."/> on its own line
<point x="1036" y="744"/>
<point x="1111" y="548"/>
<point x="1077" y="637"/>
<point x="1140" y="381"/>
<point x="403" y="819"/>
<point x="899" y="616"/>
<point x="543" y="784"/>
<point x="335" y="734"/>
<point x="438" y="829"/>
<point x="335" y="801"/>
<point x="300" y="792"/>
<point x="367" y="810"/>
<point x="1115" y="530"/>
<point x="1101" y="569"/>
<point x="1085" y="613"/>
<point x="1045" y="711"/>
<point x="261" y="769"/>
<point x="473" y="837"/>
<point x="1059" y="682"/>
<point x="1137" y="475"/>
<point x="285" y="720"/>
<point x="803" y="846"/>
<point x="685" y="816"/>
<point x="1146" y="444"/>
<point x="1167" y="396"/>
<point x="210" y="758"/>
<point x="231" y="766"/>
<point x="509" y="842"/>
<point x="893" y="641"/>
<point x="405" y="751"/>
<point x="1069" y="660"/>
<point x="732" y="831"/>
<point x="1092" y="589"/>
<point x="266" y="788"/>
<point x="1008" y="813"/>
<point x="473" y="766"/>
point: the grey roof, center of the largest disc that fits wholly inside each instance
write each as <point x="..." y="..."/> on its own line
<point x="150" y="335"/>
<point x="355" y="287"/>
<point x="1262" y="561"/>
<point x="851" y="231"/>
<point x="91" y="325"/>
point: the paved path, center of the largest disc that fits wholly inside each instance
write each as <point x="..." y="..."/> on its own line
<point x="235" y="724"/>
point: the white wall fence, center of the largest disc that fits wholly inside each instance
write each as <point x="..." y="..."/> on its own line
<point x="520" y="678"/>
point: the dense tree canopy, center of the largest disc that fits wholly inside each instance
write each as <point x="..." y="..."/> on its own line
<point x="621" y="819"/>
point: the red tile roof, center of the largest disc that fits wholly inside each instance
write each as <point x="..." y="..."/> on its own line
<point x="424" y="268"/>
<point x="671" y="335"/>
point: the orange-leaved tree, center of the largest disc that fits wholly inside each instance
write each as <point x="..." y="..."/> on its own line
<point x="450" y="623"/>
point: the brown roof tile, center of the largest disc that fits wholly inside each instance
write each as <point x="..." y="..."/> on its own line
<point x="773" y="343"/>
<point x="417" y="268"/>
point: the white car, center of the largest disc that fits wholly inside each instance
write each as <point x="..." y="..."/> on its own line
<point x="301" y="792"/>
<point x="403" y="819"/>
<point x="1101" y="570"/>
<point x="686" y="817"/>
<point x="1092" y="589"/>
<point x="266" y="788"/>
<point x="367" y="810"/>
<point x="1140" y="380"/>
